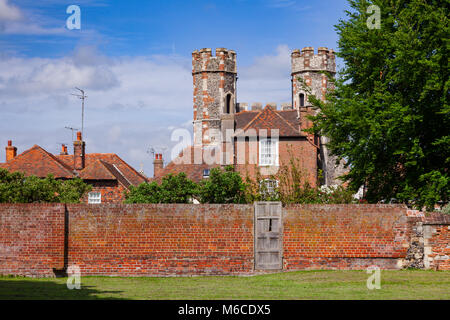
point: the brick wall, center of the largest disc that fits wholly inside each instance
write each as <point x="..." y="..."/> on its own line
<point x="344" y="236"/>
<point x="111" y="191"/>
<point x="436" y="234"/>
<point x="168" y="239"/>
<point x="303" y="153"/>
<point x="31" y="239"/>
<point x="161" y="239"/>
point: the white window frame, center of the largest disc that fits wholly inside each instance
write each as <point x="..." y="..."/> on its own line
<point x="206" y="176"/>
<point x="273" y="159"/>
<point x="94" y="197"/>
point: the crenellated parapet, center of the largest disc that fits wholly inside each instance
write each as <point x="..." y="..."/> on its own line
<point x="308" y="70"/>
<point x="223" y="61"/>
<point x="307" y="60"/>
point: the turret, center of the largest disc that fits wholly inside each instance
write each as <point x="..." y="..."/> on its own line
<point x="214" y="80"/>
<point x="309" y="67"/>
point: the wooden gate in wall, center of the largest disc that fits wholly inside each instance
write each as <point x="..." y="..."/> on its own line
<point x="268" y="236"/>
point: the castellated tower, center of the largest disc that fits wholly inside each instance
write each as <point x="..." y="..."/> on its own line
<point x="214" y="93"/>
<point x="309" y="67"/>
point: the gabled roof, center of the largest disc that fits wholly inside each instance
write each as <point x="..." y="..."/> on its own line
<point x="98" y="166"/>
<point x="116" y="164"/>
<point x="193" y="171"/>
<point x="100" y="170"/>
<point x="285" y="122"/>
<point x="38" y="162"/>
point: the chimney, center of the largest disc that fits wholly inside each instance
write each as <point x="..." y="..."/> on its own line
<point x="78" y="153"/>
<point x="305" y="123"/>
<point x="158" y="165"/>
<point x="63" y="150"/>
<point x="11" y="152"/>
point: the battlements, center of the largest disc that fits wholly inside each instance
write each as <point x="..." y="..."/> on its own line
<point x="305" y="60"/>
<point x="223" y="61"/>
<point x="258" y="106"/>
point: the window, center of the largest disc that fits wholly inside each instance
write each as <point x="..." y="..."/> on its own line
<point x="228" y="103"/>
<point x="268" y="152"/>
<point x="268" y="187"/>
<point x="94" y="197"/>
<point x="302" y="100"/>
<point x="206" y="173"/>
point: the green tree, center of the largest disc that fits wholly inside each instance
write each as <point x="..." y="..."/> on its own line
<point x="16" y="188"/>
<point x="222" y="186"/>
<point x="173" y="189"/>
<point x="389" y="115"/>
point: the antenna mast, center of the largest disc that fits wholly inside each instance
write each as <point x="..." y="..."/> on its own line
<point x="81" y="96"/>
<point x="73" y="129"/>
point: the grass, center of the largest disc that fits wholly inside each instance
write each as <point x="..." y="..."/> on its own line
<point x="404" y="284"/>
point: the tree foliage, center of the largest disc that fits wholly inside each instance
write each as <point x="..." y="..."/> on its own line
<point x="389" y="114"/>
<point x="222" y="186"/>
<point x="16" y="188"/>
<point x="173" y="189"/>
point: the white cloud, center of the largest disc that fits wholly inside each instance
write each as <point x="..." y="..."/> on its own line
<point x="133" y="102"/>
<point x="13" y="20"/>
<point x="268" y="79"/>
<point x="9" y="12"/>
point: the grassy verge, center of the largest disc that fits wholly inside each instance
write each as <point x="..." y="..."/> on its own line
<point x="405" y="284"/>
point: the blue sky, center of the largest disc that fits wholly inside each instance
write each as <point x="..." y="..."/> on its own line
<point x="133" y="59"/>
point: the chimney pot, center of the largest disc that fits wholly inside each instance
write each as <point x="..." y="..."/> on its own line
<point x="9" y="143"/>
<point x="79" y="138"/>
<point x="64" y="150"/>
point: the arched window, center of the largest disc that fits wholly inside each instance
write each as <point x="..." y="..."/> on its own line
<point x="302" y="100"/>
<point x="228" y="103"/>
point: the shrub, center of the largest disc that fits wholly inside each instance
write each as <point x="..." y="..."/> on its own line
<point x="173" y="189"/>
<point x="16" y="188"/>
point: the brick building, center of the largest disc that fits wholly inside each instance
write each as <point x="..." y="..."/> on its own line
<point x="256" y="138"/>
<point x="108" y="174"/>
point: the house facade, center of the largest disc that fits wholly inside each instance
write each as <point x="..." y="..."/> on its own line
<point x="107" y="173"/>
<point x="258" y="140"/>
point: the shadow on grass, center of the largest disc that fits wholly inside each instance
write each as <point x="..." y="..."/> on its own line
<point x="48" y="289"/>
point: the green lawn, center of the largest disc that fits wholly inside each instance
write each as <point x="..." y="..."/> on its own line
<point x="405" y="284"/>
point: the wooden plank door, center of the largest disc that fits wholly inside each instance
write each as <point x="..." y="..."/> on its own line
<point x="268" y="236"/>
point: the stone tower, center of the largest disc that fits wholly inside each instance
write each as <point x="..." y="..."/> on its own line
<point x="307" y="69"/>
<point x="214" y="93"/>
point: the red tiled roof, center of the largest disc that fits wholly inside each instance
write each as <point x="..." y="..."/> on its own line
<point x="98" y="166"/>
<point x="194" y="171"/>
<point x="131" y="175"/>
<point x="268" y="119"/>
<point x="38" y="162"/>
<point x="101" y="170"/>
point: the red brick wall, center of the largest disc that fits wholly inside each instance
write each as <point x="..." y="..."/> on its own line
<point x="344" y="236"/>
<point x="139" y="240"/>
<point x="31" y="239"/>
<point x="303" y="152"/>
<point x="166" y="239"/>
<point x="112" y="191"/>
<point x="437" y="241"/>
